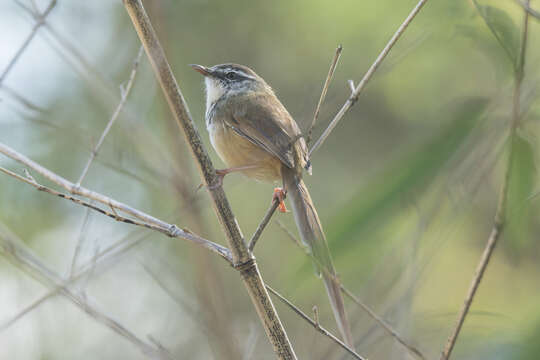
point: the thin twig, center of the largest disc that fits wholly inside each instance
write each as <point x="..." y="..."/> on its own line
<point x="80" y="241"/>
<point x="243" y="259"/>
<point x="175" y="297"/>
<point x="531" y="11"/>
<point x="77" y="190"/>
<point x="40" y="20"/>
<point x="170" y="230"/>
<point x="89" y="72"/>
<point x="21" y="99"/>
<point x="313" y="323"/>
<point x="500" y="215"/>
<point x="123" y="245"/>
<point x="159" y="345"/>
<point x="382" y="322"/>
<point x="30" y="264"/>
<point x="356" y="93"/>
<point x="294" y="239"/>
<point x="386" y="327"/>
<point x="351" y="85"/>
<point x="329" y="77"/>
<point x="262" y="225"/>
<point x="23" y="6"/>
<point x="123" y="98"/>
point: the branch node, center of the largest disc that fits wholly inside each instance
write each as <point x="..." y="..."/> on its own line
<point x="244" y="266"/>
<point x="29" y="176"/>
<point x="351" y="85"/>
<point x="174" y="231"/>
<point x="316" y="316"/>
<point x="116" y="217"/>
<point x="75" y="189"/>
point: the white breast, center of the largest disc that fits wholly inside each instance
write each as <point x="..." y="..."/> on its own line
<point x="214" y="91"/>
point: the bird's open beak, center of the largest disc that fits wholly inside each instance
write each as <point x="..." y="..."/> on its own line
<point x="201" y="69"/>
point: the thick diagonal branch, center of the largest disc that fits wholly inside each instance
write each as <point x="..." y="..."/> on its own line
<point x="240" y="252"/>
<point x="148" y="221"/>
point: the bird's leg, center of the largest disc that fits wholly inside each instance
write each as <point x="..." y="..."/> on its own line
<point x="220" y="174"/>
<point x="280" y="194"/>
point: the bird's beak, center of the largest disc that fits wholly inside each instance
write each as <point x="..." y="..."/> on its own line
<point x="201" y="69"/>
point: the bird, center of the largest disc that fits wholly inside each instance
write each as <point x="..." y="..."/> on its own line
<point x="254" y="134"/>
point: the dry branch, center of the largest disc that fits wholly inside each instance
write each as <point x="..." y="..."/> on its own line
<point x="103" y="256"/>
<point x="379" y="320"/>
<point x="241" y="255"/>
<point x="314" y="323"/>
<point x="40" y="20"/>
<point x="329" y="77"/>
<point x="356" y="93"/>
<point x="266" y="219"/>
<point x="150" y="222"/>
<point x="531" y="11"/>
<point x="386" y="327"/>
<point x="20" y="257"/>
<point x="123" y="98"/>
<point x="500" y="215"/>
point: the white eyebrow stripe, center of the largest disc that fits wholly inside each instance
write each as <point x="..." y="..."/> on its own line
<point x="239" y="72"/>
<point x="242" y="73"/>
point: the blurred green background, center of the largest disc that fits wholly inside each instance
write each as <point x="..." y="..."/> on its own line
<point x="406" y="186"/>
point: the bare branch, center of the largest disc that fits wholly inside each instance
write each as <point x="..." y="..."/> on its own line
<point x="242" y="258"/>
<point x="19" y="256"/>
<point x="40" y="20"/>
<point x="382" y="322"/>
<point x="23" y="6"/>
<point x="170" y="230"/>
<point x="177" y="299"/>
<point x="123" y="245"/>
<point x="329" y="77"/>
<point x="123" y="97"/>
<point x="73" y="189"/>
<point x="531" y="11"/>
<point x="21" y="99"/>
<point x="500" y="215"/>
<point x="386" y="327"/>
<point x="351" y="85"/>
<point x="80" y="241"/>
<point x="356" y="93"/>
<point x="266" y="219"/>
<point x="162" y="349"/>
<point x="294" y="239"/>
<point x="315" y="324"/>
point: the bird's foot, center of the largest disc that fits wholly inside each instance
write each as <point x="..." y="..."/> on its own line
<point x="280" y="194"/>
<point x="220" y="175"/>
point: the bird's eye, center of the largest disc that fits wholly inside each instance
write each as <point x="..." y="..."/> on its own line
<point x="230" y="75"/>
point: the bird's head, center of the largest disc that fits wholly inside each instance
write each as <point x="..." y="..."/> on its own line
<point x="229" y="79"/>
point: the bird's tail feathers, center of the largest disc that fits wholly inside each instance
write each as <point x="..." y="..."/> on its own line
<point x="312" y="234"/>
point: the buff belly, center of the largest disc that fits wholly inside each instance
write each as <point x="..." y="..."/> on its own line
<point x="237" y="151"/>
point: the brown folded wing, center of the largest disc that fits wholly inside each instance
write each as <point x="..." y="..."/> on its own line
<point x="268" y="125"/>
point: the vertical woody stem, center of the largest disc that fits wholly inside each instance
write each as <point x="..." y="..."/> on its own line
<point x="244" y="261"/>
<point x="500" y="215"/>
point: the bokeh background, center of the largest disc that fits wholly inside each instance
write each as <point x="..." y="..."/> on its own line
<point x="406" y="186"/>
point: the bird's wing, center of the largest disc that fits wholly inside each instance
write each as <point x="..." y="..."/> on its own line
<point x="264" y="121"/>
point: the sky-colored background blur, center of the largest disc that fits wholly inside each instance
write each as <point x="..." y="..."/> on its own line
<point x="406" y="185"/>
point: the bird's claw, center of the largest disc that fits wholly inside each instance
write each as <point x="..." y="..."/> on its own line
<point x="280" y="194"/>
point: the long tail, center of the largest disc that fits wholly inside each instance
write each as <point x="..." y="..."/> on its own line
<point x="312" y="234"/>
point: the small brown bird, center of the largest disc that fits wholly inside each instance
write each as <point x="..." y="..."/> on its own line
<point x="254" y="134"/>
